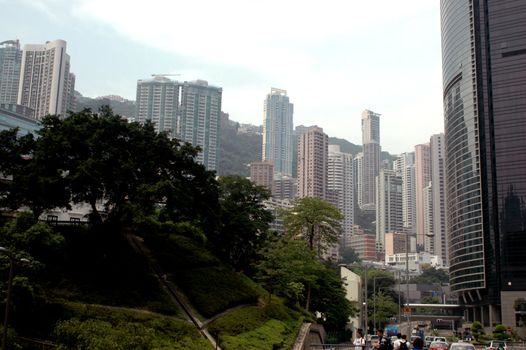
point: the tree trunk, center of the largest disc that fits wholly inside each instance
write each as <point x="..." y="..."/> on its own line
<point x="95" y="217"/>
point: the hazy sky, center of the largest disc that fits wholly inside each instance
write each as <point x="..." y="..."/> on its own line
<point x="335" y="58"/>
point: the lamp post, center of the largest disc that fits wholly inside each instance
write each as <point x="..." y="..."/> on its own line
<point x="9" y="288"/>
<point x="407" y="281"/>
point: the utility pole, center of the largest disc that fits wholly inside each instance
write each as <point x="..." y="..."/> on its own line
<point x="407" y="282"/>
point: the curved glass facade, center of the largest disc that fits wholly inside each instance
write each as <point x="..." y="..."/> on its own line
<point x="463" y="169"/>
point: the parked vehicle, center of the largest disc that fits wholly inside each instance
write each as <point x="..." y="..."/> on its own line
<point x="438" y="345"/>
<point x="428" y="340"/>
<point x="461" y="346"/>
<point x="497" y="345"/>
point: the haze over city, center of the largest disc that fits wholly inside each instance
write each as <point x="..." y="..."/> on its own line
<point x="335" y="58"/>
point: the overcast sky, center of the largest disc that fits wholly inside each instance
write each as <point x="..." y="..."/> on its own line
<point x="335" y="58"/>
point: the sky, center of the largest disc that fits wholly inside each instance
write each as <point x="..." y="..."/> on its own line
<point x="335" y="58"/>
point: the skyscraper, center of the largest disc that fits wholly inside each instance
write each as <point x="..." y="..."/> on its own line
<point x="422" y="178"/>
<point x="158" y="101"/>
<point x="10" y="61"/>
<point x="340" y="187"/>
<point x="200" y="119"/>
<point x="358" y="178"/>
<point x="484" y="82"/>
<point x="438" y="179"/>
<point x="388" y="206"/>
<point x="45" y="81"/>
<point x="405" y="167"/>
<point x="312" y="163"/>
<point x="278" y="131"/>
<point x="371" y="156"/>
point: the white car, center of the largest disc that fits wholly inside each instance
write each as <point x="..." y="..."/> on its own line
<point x="461" y="346"/>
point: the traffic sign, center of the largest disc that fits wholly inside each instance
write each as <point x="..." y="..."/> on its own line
<point x="407" y="311"/>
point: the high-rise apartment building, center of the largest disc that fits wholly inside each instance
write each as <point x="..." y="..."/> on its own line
<point x="45" y="83"/>
<point x="484" y="90"/>
<point x="429" y="237"/>
<point x="262" y="174"/>
<point x="388" y="206"/>
<point x="438" y="178"/>
<point x="158" y="101"/>
<point x="278" y="130"/>
<point x="405" y="167"/>
<point x="340" y="187"/>
<point x="10" y="61"/>
<point x="312" y="163"/>
<point x="200" y="119"/>
<point x="422" y="178"/>
<point x="371" y="156"/>
<point x="358" y="178"/>
<point x="285" y="187"/>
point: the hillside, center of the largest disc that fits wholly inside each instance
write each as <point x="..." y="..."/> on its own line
<point x="125" y="108"/>
<point x="237" y="150"/>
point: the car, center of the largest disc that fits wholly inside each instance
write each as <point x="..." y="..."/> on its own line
<point x="428" y="340"/>
<point x="438" y="345"/>
<point x="461" y="346"/>
<point x="442" y="339"/>
<point x="497" y="345"/>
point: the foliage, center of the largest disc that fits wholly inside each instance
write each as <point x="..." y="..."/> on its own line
<point x="287" y="268"/>
<point x="329" y="300"/>
<point x="98" y="158"/>
<point x="215" y="289"/>
<point x="114" y="329"/>
<point x="348" y="255"/>
<point x="384" y="307"/>
<point x="477" y="329"/>
<point x="244" y="221"/>
<point x="316" y="221"/>
<point x="125" y="108"/>
<point x="365" y="219"/>
<point x="431" y="275"/>
<point x="237" y="151"/>
<point x="272" y="335"/>
<point x="500" y="332"/>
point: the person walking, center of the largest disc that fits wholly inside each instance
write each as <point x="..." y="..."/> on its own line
<point x="359" y="341"/>
<point x="396" y="344"/>
<point x="403" y="343"/>
<point x="418" y="343"/>
<point x="384" y="343"/>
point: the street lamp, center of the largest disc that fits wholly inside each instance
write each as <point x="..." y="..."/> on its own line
<point x="9" y="288"/>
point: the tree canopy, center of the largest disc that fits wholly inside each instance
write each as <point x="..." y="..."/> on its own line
<point x="316" y="221"/>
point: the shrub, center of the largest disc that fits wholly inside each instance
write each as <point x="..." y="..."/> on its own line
<point x="215" y="289"/>
<point x="272" y="335"/>
<point x="98" y="327"/>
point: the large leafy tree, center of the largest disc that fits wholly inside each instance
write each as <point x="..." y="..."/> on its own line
<point x="287" y="267"/>
<point x="316" y="221"/>
<point x="329" y="299"/>
<point x="244" y="221"/>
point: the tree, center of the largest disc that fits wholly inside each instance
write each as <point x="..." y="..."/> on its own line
<point x="348" y="255"/>
<point x="316" y="221"/>
<point x="384" y="307"/>
<point x="329" y="299"/>
<point x="287" y="267"/>
<point x="430" y="275"/>
<point x="244" y="221"/>
<point x="477" y="329"/>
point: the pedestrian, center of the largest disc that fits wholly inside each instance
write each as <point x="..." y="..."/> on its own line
<point x="418" y="344"/>
<point x="396" y="344"/>
<point x="359" y="341"/>
<point x="403" y="343"/>
<point x="384" y="343"/>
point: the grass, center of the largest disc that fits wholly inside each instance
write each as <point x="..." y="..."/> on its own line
<point x="94" y="327"/>
<point x="262" y="327"/>
<point x="209" y="285"/>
